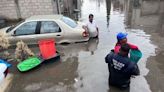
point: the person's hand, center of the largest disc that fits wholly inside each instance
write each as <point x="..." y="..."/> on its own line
<point x="135" y="48"/>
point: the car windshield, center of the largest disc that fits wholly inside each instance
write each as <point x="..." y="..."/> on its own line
<point x="69" y="22"/>
<point x="13" y="26"/>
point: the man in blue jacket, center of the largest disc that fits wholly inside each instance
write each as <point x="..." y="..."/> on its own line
<point x="120" y="67"/>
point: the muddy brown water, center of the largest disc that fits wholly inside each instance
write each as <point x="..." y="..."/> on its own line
<point x="82" y="67"/>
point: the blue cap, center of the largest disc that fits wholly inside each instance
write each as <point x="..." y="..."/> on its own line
<point x="121" y="35"/>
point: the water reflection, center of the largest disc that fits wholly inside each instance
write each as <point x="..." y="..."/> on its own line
<point x="148" y="16"/>
<point x="108" y="7"/>
<point x="84" y="63"/>
<point x="54" y="75"/>
<point x="118" y="5"/>
<point x="73" y="50"/>
<point x="114" y="89"/>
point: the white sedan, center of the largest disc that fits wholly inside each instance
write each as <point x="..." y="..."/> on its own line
<point x="58" y="27"/>
<point x="3" y="68"/>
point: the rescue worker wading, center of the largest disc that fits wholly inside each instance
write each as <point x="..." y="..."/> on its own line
<point x="120" y="67"/>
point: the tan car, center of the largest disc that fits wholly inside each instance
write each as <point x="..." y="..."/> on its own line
<point x="59" y="27"/>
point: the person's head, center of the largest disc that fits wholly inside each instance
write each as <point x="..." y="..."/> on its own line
<point x="122" y="38"/>
<point x="124" y="50"/>
<point x="91" y="17"/>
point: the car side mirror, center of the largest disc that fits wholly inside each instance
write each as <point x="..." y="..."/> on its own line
<point x="14" y="33"/>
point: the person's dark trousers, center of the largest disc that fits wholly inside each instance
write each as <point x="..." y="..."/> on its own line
<point x="121" y="87"/>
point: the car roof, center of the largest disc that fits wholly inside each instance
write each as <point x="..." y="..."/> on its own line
<point x="44" y="17"/>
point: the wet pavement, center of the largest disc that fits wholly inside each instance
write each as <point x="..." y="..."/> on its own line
<point x="82" y="67"/>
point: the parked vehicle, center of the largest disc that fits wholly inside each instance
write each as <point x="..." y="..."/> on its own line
<point x="3" y="68"/>
<point x="61" y="28"/>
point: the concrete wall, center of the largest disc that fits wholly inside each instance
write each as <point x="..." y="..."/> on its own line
<point x="150" y="7"/>
<point x="163" y="27"/>
<point x="149" y="21"/>
<point x="162" y="7"/>
<point x="35" y="7"/>
<point x="27" y="8"/>
<point x="148" y="14"/>
<point x="8" y="9"/>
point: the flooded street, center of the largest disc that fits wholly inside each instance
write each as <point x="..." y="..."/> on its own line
<point x="82" y="67"/>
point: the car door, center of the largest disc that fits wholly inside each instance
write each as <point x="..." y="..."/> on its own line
<point x="50" y="30"/>
<point x="26" y="32"/>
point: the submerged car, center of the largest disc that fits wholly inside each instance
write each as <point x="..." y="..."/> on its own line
<point x="3" y="73"/>
<point x="61" y="28"/>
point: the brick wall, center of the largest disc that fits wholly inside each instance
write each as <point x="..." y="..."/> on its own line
<point x="27" y="8"/>
<point x="35" y="7"/>
<point x="8" y="9"/>
<point x="162" y="7"/>
<point x="150" y="7"/>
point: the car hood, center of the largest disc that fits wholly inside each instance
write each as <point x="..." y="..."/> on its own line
<point x="4" y="29"/>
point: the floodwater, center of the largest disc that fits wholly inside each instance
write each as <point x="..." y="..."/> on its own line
<point x="82" y="67"/>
